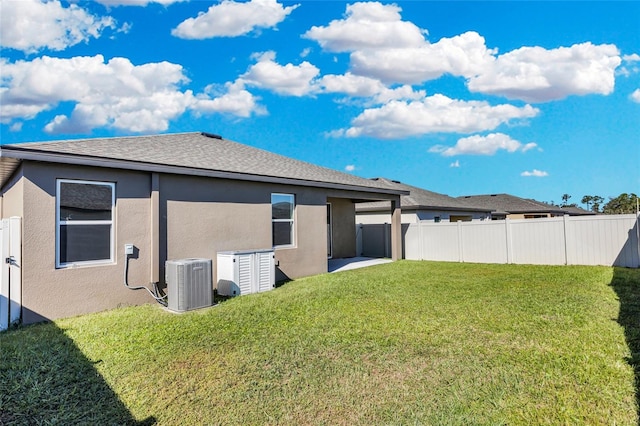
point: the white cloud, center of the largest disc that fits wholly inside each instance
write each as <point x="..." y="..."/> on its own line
<point x="31" y="25"/>
<point x="433" y="114"/>
<point x="350" y="167"/>
<point x="535" y="74"/>
<point x="534" y="173"/>
<point x="137" y="2"/>
<point x="365" y="87"/>
<point x="463" y="55"/>
<point x="305" y="52"/>
<point x="289" y="79"/>
<point x="367" y="25"/>
<point x="231" y="19"/>
<point x="629" y="65"/>
<point x="384" y="47"/>
<point x="235" y="101"/>
<point x="635" y="96"/>
<point x="455" y="164"/>
<point x="483" y="145"/>
<point x="113" y="94"/>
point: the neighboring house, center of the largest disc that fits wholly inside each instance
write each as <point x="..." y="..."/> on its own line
<point x="172" y="196"/>
<point x="419" y="205"/>
<point x="504" y="206"/>
<point x="577" y="211"/>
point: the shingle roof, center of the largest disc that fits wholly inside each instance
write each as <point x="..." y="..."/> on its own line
<point x="577" y="211"/>
<point x="188" y="153"/>
<point x="505" y="203"/>
<point x="419" y="198"/>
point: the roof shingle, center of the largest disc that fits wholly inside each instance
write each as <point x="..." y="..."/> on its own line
<point x="505" y="203"/>
<point x="194" y="150"/>
<point x="419" y="198"/>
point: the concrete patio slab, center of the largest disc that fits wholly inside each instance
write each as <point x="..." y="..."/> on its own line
<point x="338" y="265"/>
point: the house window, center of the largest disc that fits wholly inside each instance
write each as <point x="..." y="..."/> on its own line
<point x="282" y="209"/>
<point x="84" y="222"/>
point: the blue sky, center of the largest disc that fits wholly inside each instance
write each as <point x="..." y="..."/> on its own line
<point x="535" y="99"/>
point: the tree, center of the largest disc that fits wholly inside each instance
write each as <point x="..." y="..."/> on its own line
<point x="622" y="204"/>
<point x="593" y="202"/>
<point x="565" y="200"/>
<point x="597" y="202"/>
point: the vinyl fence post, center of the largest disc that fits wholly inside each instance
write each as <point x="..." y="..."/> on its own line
<point x="565" y="222"/>
<point x="421" y="239"/>
<point x="460" y="242"/>
<point x="509" y="241"/>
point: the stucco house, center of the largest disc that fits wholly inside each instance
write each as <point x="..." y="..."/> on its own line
<point x="419" y="205"/>
<point x="505" y="206"/>
<point x="172" y="196"/>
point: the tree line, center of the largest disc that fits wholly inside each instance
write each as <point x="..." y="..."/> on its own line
<point x="622" y="204"/>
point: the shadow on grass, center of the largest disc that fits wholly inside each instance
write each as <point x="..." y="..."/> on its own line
<point x="626" y="284"/>
<point x="46" y="379"/>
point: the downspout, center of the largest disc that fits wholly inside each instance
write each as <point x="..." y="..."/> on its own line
<point x="155" y="229"/>
<point x="154" y="255"/>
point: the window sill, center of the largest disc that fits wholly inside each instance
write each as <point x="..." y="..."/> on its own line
<point x="79" y="265"/>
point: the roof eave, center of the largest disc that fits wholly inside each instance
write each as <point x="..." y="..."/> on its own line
<point x="407" y="208"/>
<point x="16" y="154"/>
<point x="8" y="166"/>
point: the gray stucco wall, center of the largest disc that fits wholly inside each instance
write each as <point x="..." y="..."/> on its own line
<point x="191" y="217"/>
<point x="12" y="195"/>
<point x="50" y="293"/>
<point x="343" y="228"/>
<point x="197" y="218"/>
<point x="203" y="216"/>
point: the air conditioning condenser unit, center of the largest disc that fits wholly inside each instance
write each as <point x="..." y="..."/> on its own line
<point x="189" y="284"/>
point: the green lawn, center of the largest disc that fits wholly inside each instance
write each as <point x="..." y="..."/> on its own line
<point x="401" y="343"/>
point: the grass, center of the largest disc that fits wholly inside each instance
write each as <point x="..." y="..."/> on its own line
<point x="401" y="343"/>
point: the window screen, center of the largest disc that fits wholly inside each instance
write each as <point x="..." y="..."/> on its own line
<point x="282" y="213"/>
<point x="85" y="222"/>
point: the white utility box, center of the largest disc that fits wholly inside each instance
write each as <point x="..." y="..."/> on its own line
<point x="245" y="272"/>
<point x="189" y="284"/>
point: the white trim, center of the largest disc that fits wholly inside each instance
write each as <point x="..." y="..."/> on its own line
<point x="330" y="231"/>
<point x="292" y="221"/>
<point x="110" y="222"/>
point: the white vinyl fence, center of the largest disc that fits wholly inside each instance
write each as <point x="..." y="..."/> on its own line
<point x="570" y="240"/>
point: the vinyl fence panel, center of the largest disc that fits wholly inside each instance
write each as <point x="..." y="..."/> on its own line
<point x="484" y="244"/>
<point x="440" y="242"/>
<point x="375" y="241"/>
<point x="610" y="240"/>
<point x="538" y="242"/>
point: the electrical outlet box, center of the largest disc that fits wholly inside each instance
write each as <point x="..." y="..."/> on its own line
<point x="128" y="249"/>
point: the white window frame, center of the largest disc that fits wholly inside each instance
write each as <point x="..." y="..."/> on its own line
<point x="292" y="220"/>
<point x="61" y="222"/>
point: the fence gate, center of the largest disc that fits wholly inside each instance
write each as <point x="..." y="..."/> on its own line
<point x="10" y="272"/>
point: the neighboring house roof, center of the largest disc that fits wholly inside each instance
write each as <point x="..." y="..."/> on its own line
<point x="196" y="153"/>
<point x="418" y="199"/>
<point x="577" y="211"/>
<point x="508" y="204"/>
